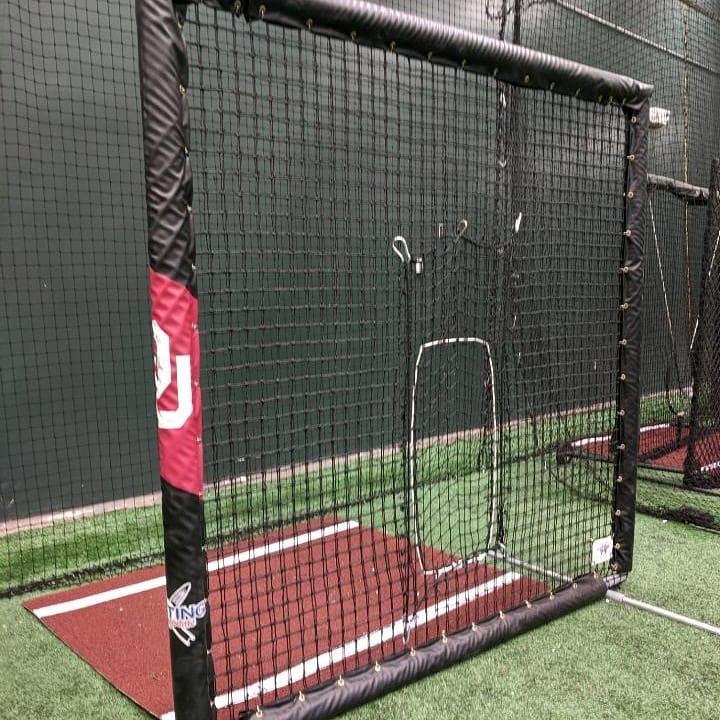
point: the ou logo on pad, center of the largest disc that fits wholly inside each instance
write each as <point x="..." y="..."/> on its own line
<point x="175" y="418"/>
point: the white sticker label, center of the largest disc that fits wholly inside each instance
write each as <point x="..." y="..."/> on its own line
<point x="659" y="117"/>
<point x="602" y="550"/>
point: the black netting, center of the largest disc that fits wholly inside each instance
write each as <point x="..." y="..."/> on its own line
<point x="77" y="459"/>
<point x="409" y="286"/>
<point x="78" y="475"/>
<point x="672" y="279"/>
<point x="673" y="44"/>
<point x="702" y="463"/>
<point x="679" y="445"/>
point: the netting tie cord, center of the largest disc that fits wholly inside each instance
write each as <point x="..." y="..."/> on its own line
<point x="461" y="229"/>
<point x="400" y="248"/>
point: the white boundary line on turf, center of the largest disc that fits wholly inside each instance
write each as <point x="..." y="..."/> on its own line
<point x="650" y="428"/>
<point x="604" y="438"/>
<point x="358" y="645"/>
<point x="590" y="441"/>
<point x="219" y="564"/>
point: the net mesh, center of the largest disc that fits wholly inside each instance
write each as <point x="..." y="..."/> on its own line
<point x="675" y="45"/>
<point x="77" y="452"/>
<point x="77" y="455"/>
<point x="679" y="444"/>
<point x="405" y="405"/>
<point x="670" y="317"/>
<point x="672" y="44"/>
<point x="702" y="463"/>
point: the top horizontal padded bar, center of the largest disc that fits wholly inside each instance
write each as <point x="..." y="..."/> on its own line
<point x="691" y="194"/>
<point x="381" y="27"/>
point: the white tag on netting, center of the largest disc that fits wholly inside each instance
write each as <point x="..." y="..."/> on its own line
<point x="659" y="117"/>
<point x="602" y="550"/>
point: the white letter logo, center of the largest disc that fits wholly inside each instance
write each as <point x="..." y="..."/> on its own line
<point x="183" y="619"/>
<point x="171" y="419"/>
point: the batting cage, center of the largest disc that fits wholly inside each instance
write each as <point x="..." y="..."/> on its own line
<point x="702" y="462"/>
<point x="77" y="454"/>
<point x="409" y="261"/>
<point x="678" y="435"/>
<point x="408" y="399"/>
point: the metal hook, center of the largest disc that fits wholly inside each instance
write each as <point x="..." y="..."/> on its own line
<point x="400" y="248"/>
<point x="461" y="229"/>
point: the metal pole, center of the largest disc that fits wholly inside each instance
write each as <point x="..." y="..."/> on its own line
<point x="621" y="599"/>
<point x="629" y="33"/>
<point x="612" y="595"/>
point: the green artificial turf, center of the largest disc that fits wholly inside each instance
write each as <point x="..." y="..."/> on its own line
<point x="605" y="661"/>
<point x="601" y="662"/>
<point x="349" y="487"/>
<point x="40" y="678"/>
<point x="670" y="499"/>
<point x="677" y="567"/>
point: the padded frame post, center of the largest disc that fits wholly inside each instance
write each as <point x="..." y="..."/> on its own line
<point x="637" y="116"/>
<point x="174" y="309"/>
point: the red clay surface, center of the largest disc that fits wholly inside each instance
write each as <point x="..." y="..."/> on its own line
<point x="662" y="447"/>
<point x="289" y="607"/>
